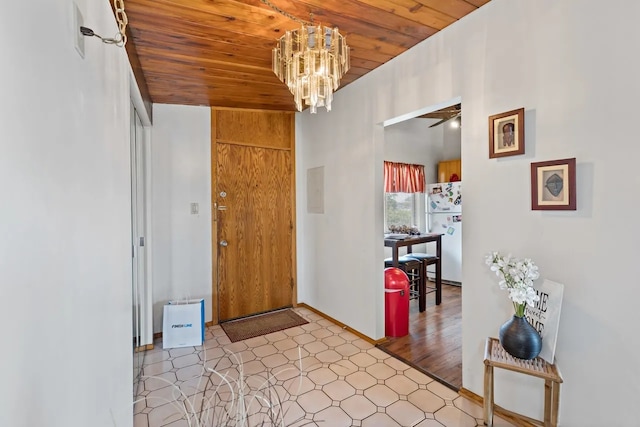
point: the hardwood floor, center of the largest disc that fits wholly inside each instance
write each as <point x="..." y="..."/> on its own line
<point x="434" y="343"/>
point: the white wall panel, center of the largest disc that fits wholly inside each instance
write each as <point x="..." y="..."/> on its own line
<point x="65" y="221"/>
<point x="181" y="175"/>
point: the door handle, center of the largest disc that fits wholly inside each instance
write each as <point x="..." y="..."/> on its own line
<point x="224" y="243"/>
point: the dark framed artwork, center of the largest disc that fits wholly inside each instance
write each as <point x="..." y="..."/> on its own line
<point x="553" y="185"/>
<point x="506" y="134"/>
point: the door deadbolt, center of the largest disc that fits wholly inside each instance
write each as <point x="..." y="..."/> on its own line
<point x="224" y="243"/>
<point x="223" y="194"/>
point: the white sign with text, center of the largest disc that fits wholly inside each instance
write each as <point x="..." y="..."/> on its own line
<point x="545" y="316"/>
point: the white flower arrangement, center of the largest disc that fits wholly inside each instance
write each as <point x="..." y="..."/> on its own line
<point x="516" y="275"/>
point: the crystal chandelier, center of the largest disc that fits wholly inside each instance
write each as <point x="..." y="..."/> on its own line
<point x="311" y="61"/>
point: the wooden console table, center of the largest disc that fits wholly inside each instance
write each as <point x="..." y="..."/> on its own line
<point x="496" y="356"/>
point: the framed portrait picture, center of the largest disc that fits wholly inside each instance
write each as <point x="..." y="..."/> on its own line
<point x="553" y="185"/>
<point x="506" y="134"/>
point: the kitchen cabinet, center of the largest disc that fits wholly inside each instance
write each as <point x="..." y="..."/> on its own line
<point x="448" y="168"/>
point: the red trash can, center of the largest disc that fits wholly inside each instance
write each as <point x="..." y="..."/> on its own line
<point x="396" y="302"/>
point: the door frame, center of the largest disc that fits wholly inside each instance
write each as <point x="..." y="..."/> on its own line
<point x="144" y="155"/>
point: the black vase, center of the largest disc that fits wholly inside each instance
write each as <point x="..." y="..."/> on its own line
<point x="520" y="339"/>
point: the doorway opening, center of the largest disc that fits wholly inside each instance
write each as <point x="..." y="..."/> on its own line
<point x="432" y="137"/>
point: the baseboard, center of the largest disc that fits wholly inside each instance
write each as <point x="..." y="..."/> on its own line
<point x="497" y="410"/>
<point x="342" y="325"/>
<point x="143" y="348"/>
<point x="444" y="281"/>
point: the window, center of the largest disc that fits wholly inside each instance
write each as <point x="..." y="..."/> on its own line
<point x="400" y="209"/>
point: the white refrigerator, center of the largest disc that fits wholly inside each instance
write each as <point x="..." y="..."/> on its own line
<point x="444" y="215"/>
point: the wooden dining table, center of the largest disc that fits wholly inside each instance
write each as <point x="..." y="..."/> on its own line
<point x="408" y="242"/>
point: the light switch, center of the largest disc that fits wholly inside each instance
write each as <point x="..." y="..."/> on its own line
<point x="78" y="22"/>
<point x="195" y="208"/>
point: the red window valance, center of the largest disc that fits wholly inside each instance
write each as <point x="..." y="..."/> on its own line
<point x="403" y="178"/>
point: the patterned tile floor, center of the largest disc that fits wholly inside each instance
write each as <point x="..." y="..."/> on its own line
<point x="317" y="374"/>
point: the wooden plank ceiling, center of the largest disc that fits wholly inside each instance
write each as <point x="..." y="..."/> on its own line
<point x="218" y="52"/>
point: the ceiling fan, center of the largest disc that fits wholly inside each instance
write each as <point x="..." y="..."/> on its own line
<point x="445" y="114"/>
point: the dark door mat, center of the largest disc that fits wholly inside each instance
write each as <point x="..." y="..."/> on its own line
<point x="261" y="324"/>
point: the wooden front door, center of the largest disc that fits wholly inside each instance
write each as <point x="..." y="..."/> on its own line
<point x="254" y="226"/>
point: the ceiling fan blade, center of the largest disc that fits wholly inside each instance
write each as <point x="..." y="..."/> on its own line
<point x="439" y="123"/>
<point x="443" y="114"/>
<point x="445" y="120"/>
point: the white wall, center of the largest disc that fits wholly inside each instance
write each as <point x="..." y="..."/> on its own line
<point x="451" y="147"/>
<point x="580" y="90"/>
<point x="65" y="221"/>
<point x="412" y="141"/>
<point x="181" y="175"/>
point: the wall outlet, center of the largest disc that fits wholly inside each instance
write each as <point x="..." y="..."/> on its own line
<point x="78" y="21"/>
<point x="195" y="208"/>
